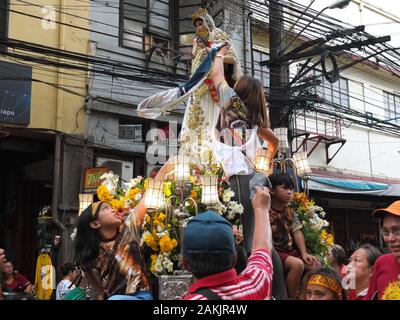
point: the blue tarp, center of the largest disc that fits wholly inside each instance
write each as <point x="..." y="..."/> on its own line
<point x="353" y="186"/>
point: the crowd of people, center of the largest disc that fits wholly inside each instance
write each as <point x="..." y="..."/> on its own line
<point x="269" y="260"/>
<point x="210" y="252"/>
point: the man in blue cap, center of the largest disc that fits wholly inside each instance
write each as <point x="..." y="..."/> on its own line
<point x="209" y="254"/>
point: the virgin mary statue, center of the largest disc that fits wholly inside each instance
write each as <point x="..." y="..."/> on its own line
<point x="202" y="111"/>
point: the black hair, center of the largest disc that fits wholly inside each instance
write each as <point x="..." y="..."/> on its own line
<point x="87" y="239"/>
<point x="67" y="268"/>
<point x="339" y="254"/>
<point x="241" y="258"/>
<point x="372" y="252"/>
<point x="208" y="263"/>
<point x="281" y="178"/>
<point x="326" y="272"/>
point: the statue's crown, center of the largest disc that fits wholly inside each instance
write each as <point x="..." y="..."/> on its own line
<point x="199" y="14"/>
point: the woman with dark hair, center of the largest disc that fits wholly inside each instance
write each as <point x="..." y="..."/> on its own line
<point x="323" y="284"/>
<point x="360" y="270"/>
<point x="338" y="259"/>
<point x="108" y="250"/>
<point x="69" y="274"/>
<point x="243" y="121"/>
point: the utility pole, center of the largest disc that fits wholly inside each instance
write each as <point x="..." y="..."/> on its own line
<point x="279" y="72"/>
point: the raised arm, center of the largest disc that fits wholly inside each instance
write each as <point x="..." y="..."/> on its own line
<point x="267" y="134"/>
<point x="262" y="227"/>
<point x="140" y="208"/>
<point x="217" y="73"/>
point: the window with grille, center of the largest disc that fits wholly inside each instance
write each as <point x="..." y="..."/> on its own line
<point x="336" y="94"/>
<point x="130" y="132"/>
<point x="145" y="24"/>
<point x="391" y="104"/>
<point x="261" y="72"/>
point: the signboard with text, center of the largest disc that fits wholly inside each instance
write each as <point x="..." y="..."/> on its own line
<point x="15" y="93"/>
<point x="91" y="179"/>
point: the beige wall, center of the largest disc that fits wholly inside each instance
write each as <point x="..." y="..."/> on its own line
<point x="53" y="108"/>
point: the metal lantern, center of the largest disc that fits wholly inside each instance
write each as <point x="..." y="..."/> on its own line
<point x="301" y="164"/>
<point x="154" y="195"/>
<point x="182" y="168"/>
<point x="85" y="200"/>
<point x="282" y="134"/>
<point x="262" y="161"/>
<point x="209" y="193"/>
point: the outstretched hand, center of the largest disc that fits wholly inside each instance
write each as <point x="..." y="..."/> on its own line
<point x="224" y="49"/>
<point x="311" y="260"/>
<point x="261" y="199"/>
<point x="166" y="168"/>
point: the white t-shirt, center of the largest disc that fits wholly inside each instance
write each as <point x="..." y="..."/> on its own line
<point x="236" y="159"/>
<point x="63" y="288"/>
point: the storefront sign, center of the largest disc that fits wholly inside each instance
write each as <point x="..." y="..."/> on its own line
<point x="92" y="179"/>
<point x="15" y="93"/>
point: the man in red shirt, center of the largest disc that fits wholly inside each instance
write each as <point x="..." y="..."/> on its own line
<point x="387" y="266"/>
<point x="15" y="282"/>
<point x="209" y="253"/>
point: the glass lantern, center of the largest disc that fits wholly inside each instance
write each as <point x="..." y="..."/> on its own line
<point x="262" y="161"/>
<point x="282" y="134"/>
<point x="302" y="166"/>
<point x="154" y="195"/>
<point x="209" y="192"/>
<point x="85" y="200"/>
<point x="182" y="168"/>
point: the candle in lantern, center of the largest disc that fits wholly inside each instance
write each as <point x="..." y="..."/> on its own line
<point x="262" y="161"/>
<point x="154" y="196"/>
<point x="209" y="193"/>
<point x="282" y="134"/>
<point x="182" y="168"/>
<point x="301" y="163"/>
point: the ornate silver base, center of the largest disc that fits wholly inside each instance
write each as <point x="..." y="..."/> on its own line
<point x="173" y="287"/>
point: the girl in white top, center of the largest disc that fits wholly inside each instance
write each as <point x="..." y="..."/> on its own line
<point x="243" y="122"/>
<point x="243" y="107"/>
<point x="69" y="275"/>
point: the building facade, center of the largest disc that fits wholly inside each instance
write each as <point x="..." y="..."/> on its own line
<point x="43" y="125"/>
<point x="156" y="38"/>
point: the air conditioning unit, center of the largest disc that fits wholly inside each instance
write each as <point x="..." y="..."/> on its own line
<point x="124" y="169"/>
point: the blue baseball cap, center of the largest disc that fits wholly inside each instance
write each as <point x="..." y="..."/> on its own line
<point x="207" y="232"/>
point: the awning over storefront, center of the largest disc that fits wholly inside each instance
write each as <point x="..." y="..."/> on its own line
<point x="351" y="186"/>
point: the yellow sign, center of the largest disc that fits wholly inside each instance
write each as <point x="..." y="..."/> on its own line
<point x="92" y="179"/>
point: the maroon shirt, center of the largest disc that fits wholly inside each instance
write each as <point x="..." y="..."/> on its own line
<point x="386" y="270"/>
<point x="19" y="284"/>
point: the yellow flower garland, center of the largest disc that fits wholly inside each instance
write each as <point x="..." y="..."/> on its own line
<point x="392" y="292"/>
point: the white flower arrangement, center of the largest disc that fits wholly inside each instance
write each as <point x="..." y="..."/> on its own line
<point x="163" y="262"/>
<point x="228" y="195"/>
<point x="110" y="180"/>
<point x="161" y="232"/>
<point x="233" y="209"/>
<point x="218" y="208"/>
<point x="133" y="183"/>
